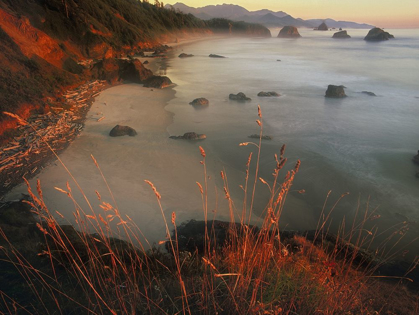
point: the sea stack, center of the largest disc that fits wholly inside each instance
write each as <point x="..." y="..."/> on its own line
<point x="323" y="27"/>
<point x="377" y="34"/>
<point x="341" y="34"/>
<point x="289" y="32"/>
<point x="335" y="91"/>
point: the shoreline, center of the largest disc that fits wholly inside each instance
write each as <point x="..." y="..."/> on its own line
<point x="17" y="160"/>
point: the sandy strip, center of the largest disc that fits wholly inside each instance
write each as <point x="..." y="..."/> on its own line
<point x="172" y="165"/>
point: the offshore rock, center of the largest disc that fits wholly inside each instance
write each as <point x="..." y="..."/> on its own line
<point x="377" y="34"/>
<point x="341" y="34"/>
<point x="239" y="97"/>
<point x="199" y="102"/>
<point x="190" y="136"/>
<point x="369" y="93"/>
<point x="289" y="32"/>
<point x="216" y="56"/>
<point x="268" y="94"/>
<point x="183" y="55"/>
<point x="323" y="27"/>
<point x="264" y="137"/>
<point x="416" y="158"/>
<point x="335" y="91"/>
<point x="119" y="131"/>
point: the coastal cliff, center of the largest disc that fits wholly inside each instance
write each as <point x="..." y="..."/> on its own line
<point x="50" y="46"/>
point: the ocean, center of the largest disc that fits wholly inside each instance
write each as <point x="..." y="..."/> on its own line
<point x="360" y="144"/>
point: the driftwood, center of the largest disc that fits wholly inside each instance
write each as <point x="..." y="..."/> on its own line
<point x="53" y="129"/>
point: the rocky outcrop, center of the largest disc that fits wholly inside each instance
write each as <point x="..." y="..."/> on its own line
<point x="158" y="82"/>
<point x="183" y="55"/>
<point x="369" y="93"/>
<point x="264" y="137"/>
<point x="239" y="97"/>
<point x="323" y="27"/>
<point x="199" y="102"/>
<point x="341" y="34"/>
<point x="416" y="158"/>
<point x="190" y="136"/>
<point x="289" y="32"/>
<point x="377" y="34"/>
<point x="215" y="56"/>
<point x="267" y="94"/>
<point x="119" y="131"/>
<point x="114" y="70"/>
<point x="336" y="91"/>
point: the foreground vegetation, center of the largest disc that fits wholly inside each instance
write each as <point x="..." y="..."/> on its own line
<point x="210" y="267"/>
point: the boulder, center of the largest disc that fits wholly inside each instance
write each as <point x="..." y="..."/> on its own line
<point x="216" y="56"/>
<point x="183" y="55"/>
<point x="158" y="82"/>
<point x="341" y="34"/>
<point x="146" y="62"/>
<point x="114" y="70"/>
<point x="264" y="137"/>
<point x="323" y="27"/>
<point x="335" y="91"/>
<point x="377" y="34"/>
<point x="239" y="97"/>
<point x="199" y="102"/>
<point x="416" y="158"/>
<point x="190" y="136"/>
<point x="268" y="94"/>
<point x="369" y="93"/>
<point x="289" y="32"/>
<point x="119" y="131"/>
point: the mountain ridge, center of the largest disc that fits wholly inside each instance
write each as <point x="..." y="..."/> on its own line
<point x="264" y="16"/>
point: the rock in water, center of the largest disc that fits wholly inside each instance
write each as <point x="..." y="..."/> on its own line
<point x="239" y="97"/>
<point x="199" y="102"/>
<point x="369" y="93"/>
<point x="119" y="131"/>
<point x="323" y="27"/>
<point x="289" y="32"/>
<point x="264" y="137"/>
<point x="268" y="94"/>
<point x="416" y="158"/>
<point x="215" y="56"/>
<point x="190" y="136"/>
<point x="335" y="91"/>
<point x="341" y="34"/>
<point x="183" y="55"/>
<point x="377" y="34"/>
<point x="158" y="82"/>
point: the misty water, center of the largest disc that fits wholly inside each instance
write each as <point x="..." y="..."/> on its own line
<point x="361" y="144"/>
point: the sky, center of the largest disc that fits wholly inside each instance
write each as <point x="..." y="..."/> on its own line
<point x="381" y="13"/>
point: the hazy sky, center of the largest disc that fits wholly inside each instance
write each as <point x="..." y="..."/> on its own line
<point x="381" y="13"/>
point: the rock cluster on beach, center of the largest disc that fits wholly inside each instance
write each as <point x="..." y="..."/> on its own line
<point x="289" y="32"/>
<point x="341" y="34"/>
<point x="158" y="82"/>
<point x="239" y="97"/>
<point x="114" y="70"/>
<point x="335" y="91"/>
<point x="377" y="34"/>
<point x="119" y="131"/>
<point x="268" y="94"/>
<point x="199" y="102"/>
<point x="190" y="136"/>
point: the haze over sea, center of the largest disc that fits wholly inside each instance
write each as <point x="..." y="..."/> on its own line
<point x="360" y="144"/>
